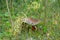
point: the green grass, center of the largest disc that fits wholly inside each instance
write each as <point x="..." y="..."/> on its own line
<point x="48" y="28"/>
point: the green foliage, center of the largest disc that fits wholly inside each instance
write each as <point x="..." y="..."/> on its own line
<point x="47" y="10"/>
